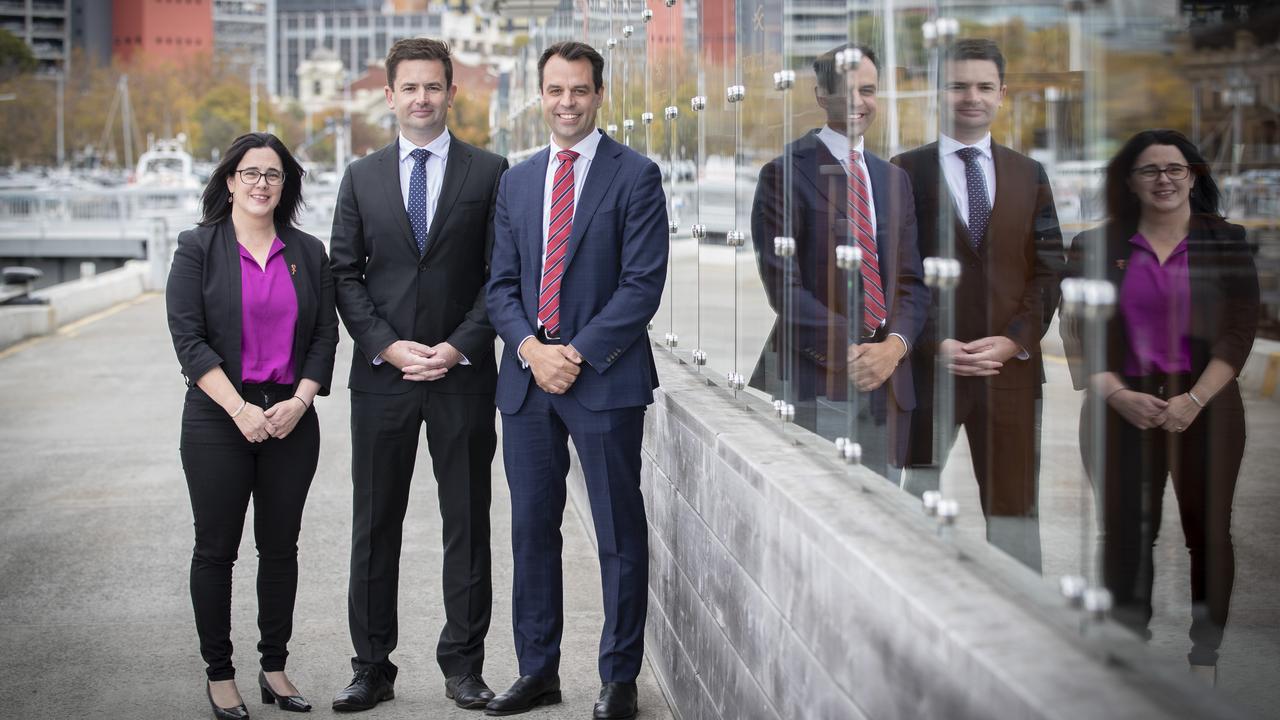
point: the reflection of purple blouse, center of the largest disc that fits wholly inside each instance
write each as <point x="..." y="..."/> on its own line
<point x="1155" y="302"/>
<point x="269" y="313"/>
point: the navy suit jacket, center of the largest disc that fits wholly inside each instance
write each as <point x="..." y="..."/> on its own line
<point x="614" y="273"/>
<point x="817" y="290"/>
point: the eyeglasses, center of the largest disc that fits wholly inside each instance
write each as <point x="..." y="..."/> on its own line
<point x="1149" y="173"/>
<point x="250" y="176"/>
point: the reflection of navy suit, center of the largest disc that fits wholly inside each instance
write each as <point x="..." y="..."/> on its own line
<point x="815" y="359"/>
<point x="615" y="270"/>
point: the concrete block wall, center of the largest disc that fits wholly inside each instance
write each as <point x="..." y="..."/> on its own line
<point x="71" y="301"/>
<point x="786" y="585"/>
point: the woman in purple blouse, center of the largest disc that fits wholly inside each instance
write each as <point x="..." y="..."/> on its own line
<point x="1186" y="314"/>
<point x="251" y="311"/>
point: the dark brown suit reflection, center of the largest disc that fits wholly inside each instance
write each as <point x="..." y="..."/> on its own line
<point x="1008" y="286"/>
<point x="1204" y="460"/>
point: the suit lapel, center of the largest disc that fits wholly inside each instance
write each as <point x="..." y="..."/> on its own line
<point x="231" y="250"/>
<point x="816" y="165"/>
<point x="455" y="174"/>
<point x="293" y="261"/>
<point x="389" y="171"/>
<point x="604" y="166"/>
<point x="533" y="208"/>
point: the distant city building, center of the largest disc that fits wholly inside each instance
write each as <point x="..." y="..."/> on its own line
<point x="356" y="37"/>
<point x="91" y="30"/>
<point x="321" y="81"/>
<point x="155" y="30"/>
<point x="244" y="35"/>
<point x="44" y="26"/>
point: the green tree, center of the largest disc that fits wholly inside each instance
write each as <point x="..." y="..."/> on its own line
<point x="16" y="57"/>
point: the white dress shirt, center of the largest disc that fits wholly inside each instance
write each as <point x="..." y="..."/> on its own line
<point x="439" y="149"/>
<point x="953" y="169"/>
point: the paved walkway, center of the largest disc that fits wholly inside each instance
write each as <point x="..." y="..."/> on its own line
<point x="95" y="541"/>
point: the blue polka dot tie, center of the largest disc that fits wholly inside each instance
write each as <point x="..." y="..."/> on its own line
<point x="418" y="198"/>
<point x="979" y="204"/>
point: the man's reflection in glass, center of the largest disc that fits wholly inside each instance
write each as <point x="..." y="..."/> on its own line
<point x="842" y="195"/>
<point x="994" y="207"/>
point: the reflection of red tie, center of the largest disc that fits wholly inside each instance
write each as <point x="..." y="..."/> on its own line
<point x="558" y="232"/>
<point x="873" y="310"/>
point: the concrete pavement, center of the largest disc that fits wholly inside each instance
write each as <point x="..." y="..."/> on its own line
<point x="95" y="542"/>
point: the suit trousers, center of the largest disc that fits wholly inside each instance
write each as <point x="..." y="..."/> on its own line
<point x="536" y="456"/>
<point x="224" y="470"/>
<point x="1204" y="463"/>
<point x="461" y="439"/>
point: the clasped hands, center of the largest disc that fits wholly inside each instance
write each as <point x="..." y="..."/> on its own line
<point x="421" y="363"/>
<point x="276" y="421"/>
<point x="980" y="358"/>
<point x="1146" y="411"/>
<point x="871" y="363"/>
<point x="555" y="367"/>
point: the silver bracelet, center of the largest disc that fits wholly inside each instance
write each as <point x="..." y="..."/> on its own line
<point x="1195" y="399"/>
<point x="243" y="402"/>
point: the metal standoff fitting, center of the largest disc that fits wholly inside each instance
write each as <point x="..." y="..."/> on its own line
<point x="942" y="273"/>
<point x="736" y="381"/>
<point x="946" y="28"/>
<point x="852" y="453"/>
<point x="1099" y="299"/>
<point x="1097" y="602"/>
<point x="699" y="357"/>
<point x="611" y="129"/>
<point x="1072" y="296"/>
<point x="735" y="93"/>
<point x="628" y="124"/>
<point x="672" y="340"/>
<point x="646" y="15"/>
<point x="929" y="501"/>
<point x="735" y="238"/>
<point x="947" y="511"/>
<point x="627" y="30"/>
<point x="1073" y="587"/>
<point x="673" y="227"/>
<point x="649" y="326"/>
<point x="699" y="231"/>
<point x="840" y="443"/>
<point x="848" y="59"/>
<point x="777" y="407"/>
<point x="611" y="43"/>
<point x="698" y="102"/>
<point x="929" y="31"/>
<point x="784" y="79"/>
<point x="646" y="118"/>
<point x="788" y="412"/>
<point x="671" y="3"/>
<point x="672" y="112"/>
<point x="784" y="246"/>
<point x="848" y="257"/>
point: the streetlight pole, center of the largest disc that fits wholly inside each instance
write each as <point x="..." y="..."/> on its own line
<point x="253" y="95"/>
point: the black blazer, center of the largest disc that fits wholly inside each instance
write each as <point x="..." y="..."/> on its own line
<point x="203" y="297"/>
<point x="386" y="293"/>
<point x="1224" y="294"/>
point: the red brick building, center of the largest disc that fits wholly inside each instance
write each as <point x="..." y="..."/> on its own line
<point x="165" y="30"/>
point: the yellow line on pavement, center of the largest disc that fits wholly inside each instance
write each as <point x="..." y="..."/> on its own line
<point x="1272" y="375"/>
<point x="71" y="329"/>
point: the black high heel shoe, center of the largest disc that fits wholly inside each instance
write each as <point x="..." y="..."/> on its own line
<point x="239" y="712"/>
<point x="288" y="703"/>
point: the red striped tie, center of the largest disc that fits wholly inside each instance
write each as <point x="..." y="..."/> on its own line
<point x="873" y="307"/>
<point x="558" y="231"/>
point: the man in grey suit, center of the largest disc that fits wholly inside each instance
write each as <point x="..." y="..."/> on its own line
<point x="412" y="235"/>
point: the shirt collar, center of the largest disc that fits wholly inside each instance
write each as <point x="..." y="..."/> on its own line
<point x="586" y="147"/>
<point x="438" y="147"/>
<point x="838" y="142"/>
<point x="1140" y="240"/>
<point x="948" y="145"/>
<point x="277" y="247"/>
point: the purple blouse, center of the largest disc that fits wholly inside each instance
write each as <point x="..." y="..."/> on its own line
<point x="1155" y="303"/>
<point x="269" y="314"/>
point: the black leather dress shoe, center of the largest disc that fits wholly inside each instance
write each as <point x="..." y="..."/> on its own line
<point x="369" y="687"/>
<point x="525" y="694"/>
<point x="288" y="703"/>
<point x="239" y="712"/>
<point x="468" y="691"/>
<point x="617" y="702"/>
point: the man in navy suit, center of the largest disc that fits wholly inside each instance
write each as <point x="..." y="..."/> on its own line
<point x="579" y="261"/>
<point x="826" y="338"/>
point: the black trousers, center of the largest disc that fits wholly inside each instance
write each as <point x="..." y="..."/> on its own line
<point x="1204" y="462"/>
<point x="223" y="472"/>
<point x="461" y="438"/>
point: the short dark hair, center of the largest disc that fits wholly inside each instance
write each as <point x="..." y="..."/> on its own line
<point x="824" y="66"/>
<point x="214" y="203"/>
<point x="418" y="49"/>
<point x="976" y="49"/>
<point x="1124" y="208"/>
<point x="571" y="51"/>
